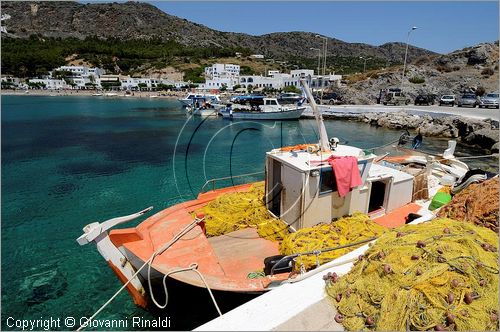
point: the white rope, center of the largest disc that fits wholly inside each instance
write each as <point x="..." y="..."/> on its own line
<point x="148" y="262"/>
<point x="192" y="267"/>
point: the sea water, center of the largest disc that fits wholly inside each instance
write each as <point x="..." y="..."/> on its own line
<point x="70" y="161"/>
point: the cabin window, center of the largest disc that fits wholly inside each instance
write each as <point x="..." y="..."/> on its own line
<point x="327" y="181"/>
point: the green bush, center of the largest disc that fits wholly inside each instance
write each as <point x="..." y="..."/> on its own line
<point x="194" y="75"/>
<point x="291" y="88"/>
<point x="417" y="80"/>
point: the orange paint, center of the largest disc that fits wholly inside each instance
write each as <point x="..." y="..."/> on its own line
<point x="138" y="298"/>
<point x="397" y="217"/>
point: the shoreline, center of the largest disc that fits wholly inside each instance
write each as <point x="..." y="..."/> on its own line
<point x="479" y="131"/>
<point x="90" y="93"/>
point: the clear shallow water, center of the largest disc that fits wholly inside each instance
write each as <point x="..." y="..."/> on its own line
<point x="68" y="161"/>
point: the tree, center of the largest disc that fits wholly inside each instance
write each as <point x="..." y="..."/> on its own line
<point x="236" y="87"/>
<point x="223" y="88"/>
<point x="291" y="88"/>
<point x="249" y="87"/>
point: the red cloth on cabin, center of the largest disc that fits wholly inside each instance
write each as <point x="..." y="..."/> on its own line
<point x="346" y="173"/>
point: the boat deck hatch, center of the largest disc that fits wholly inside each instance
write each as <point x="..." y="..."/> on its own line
<point x="377" y="196"/>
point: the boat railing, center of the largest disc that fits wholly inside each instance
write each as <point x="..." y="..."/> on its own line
<point x="213" y="182"/>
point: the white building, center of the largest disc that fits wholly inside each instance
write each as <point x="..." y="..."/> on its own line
<point x="51" y="83"/>
<point x="82" y="71"/>
<point x="222" y="70"/>
<point x="221" y="74"/>
<point x="83" y="77"/>
<point x="14" y="81"/>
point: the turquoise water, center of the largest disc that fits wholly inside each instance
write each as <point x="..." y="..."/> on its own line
<point x="69" y="161"/>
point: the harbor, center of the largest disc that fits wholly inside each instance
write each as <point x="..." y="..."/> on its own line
<point x="165" y="170"/>
<point x="94" y="164"/>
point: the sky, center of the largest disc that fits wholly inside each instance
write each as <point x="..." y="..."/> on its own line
<point x="442" y="26"/>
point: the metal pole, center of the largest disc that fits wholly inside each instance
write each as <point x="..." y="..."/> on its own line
<point x="406" y="55"/>
<point x="319" y="58"/>
<point x="325" y="39"/>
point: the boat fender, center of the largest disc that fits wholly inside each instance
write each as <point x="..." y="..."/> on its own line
<point x="286" y="265"/>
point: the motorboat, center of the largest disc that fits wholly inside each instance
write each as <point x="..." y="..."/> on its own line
<point x="203" y="106"/>
<point x="188" y="100"/>
<point x="301" y="190"/>
<point x="270" y="110"/>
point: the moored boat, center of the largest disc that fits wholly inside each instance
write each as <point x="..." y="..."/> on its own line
<point x="304" y="186"/>
<point x="189" y="99"/>
<point x="270" y="110"/>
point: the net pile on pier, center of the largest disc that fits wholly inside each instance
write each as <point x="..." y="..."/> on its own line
<point x="478" y="203"/>
<point x="439" y="275"/>
<point x="233" y="211"/>
<point x="343" y="231"/>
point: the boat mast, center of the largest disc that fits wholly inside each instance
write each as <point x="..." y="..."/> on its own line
<point x="323" y="136"/>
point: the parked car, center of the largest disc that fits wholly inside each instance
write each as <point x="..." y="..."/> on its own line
<point x="447" y="100"/>
<point x="330" y="98"/>
<point x="395" y="98"/>
<point x="383" y="93"/>
<point x="427" y="99"/>
<point x="468" y="99"/>
<point x="289" y="98"/>
<point x="490" y="100"/>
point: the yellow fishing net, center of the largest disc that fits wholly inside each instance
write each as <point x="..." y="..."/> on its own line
<point x="343" y="231"/>
<point x="478" y="203"/>
<point x="441" y="274"/>
<point x="233" y="211"/>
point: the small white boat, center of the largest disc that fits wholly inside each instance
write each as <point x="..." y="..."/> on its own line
<point x="111" y="94"/>
<point x="271" y="110"/>
<point x="153" y="96"/>
<point x="202" y="106"/>
<point x="97" y="94"/>
<point x="188" y="101"/>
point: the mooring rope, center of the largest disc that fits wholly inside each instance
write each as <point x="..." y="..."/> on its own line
<point x="192" y="267"/>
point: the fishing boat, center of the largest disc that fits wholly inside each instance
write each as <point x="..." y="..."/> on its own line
<point x="270" y="110"/>
<point x="188" y="100"/>
<point x="203" y="106"/>
<point x="302" y="189"/>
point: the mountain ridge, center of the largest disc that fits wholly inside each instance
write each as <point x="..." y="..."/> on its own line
<point x="139" y="20"/>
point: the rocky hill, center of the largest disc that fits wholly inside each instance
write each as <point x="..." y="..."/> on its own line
<point x="135" y="20"/>
<point x="473" y="69"/>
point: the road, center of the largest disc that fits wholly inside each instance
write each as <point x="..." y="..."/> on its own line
<point x="434" y="110"/>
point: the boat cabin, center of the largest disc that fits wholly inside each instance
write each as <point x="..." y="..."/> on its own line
<point x="302" y="190"/>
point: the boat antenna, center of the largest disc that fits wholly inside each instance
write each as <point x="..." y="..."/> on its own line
<point x="323" y="136"/>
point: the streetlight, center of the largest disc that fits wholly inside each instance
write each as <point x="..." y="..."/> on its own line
<point x="364" y="66"/>
<point x="324" y="51"/>
<point x="406" y="54"/>
<point x="324" y="63"/>
<point x="319" y="57"/>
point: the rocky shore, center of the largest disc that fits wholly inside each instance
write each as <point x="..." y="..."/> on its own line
<point x="480" y="133"/>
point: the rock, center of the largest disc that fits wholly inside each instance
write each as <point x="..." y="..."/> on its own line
<point x="485" y="138"/>
<point x="495" y="147"/>
<point x="478" y="55"/>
